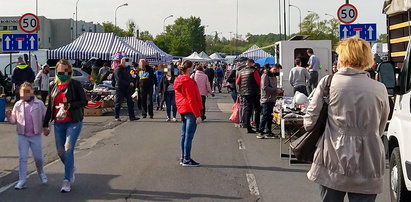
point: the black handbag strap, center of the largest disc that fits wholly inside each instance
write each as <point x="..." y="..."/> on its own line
<point x="326" y="93"/>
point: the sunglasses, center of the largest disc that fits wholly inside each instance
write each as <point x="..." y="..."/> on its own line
<point x="63" y="73"/>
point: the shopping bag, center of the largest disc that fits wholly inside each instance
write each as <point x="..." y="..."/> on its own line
<point x="235" y="113"/>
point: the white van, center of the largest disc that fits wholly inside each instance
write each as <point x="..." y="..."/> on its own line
<point x="398" y="83"/>
<point x="5" y="60"/>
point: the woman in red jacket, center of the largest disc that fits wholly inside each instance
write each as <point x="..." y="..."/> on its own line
<point x="189" y="105"/>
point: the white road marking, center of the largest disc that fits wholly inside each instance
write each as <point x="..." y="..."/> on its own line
<point x="252" y="184"/>
<point x="241" y="144"/>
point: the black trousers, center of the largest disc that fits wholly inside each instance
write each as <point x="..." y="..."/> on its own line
<point x="301" y="89"/>
<point x="147" y="101"/>
<point x="252" y="104"/>
<point x="313" y="81"/>
<point x="120" y="95"/>
<point x="331" y="195"/>
<point x="44" y="95"/>
<point x="203" y="99"/>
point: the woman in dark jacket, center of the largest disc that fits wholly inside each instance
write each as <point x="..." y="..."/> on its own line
<point x="168" y="94"/>
<point x="67" y="100"/>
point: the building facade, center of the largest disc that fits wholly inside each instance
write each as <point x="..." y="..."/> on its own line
<point x="52" y="33"/>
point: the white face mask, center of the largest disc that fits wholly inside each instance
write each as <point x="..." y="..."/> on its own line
<point x="128" y="64"/>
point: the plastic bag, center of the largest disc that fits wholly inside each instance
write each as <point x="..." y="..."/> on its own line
<point x="235" y="113"/>
<point x="61" y="114"/>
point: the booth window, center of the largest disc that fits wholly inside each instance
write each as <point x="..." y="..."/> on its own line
<point x="302" y="54"/>
<point x="3" y="27"/>
<point x="12" y="27"/>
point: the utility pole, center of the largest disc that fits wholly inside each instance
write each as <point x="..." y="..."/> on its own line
<point x="285" y="22"/>
<point x="347" y="1"/>
<point x="279" y="18"/>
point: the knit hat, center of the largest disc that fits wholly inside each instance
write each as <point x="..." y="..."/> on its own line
<point x="20" y="60"/>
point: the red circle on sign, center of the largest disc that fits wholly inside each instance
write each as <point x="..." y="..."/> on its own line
<point x="37" y="23"/>
<point x="351" y="21"/>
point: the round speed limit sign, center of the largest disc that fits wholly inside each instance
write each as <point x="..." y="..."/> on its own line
<point x="347" y="13"/>
<point x="29" y="23"/>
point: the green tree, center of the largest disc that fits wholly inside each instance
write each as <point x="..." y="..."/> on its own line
<point x="320" y="30"/>
<point x="131" y="28"/>
<point x="146" y="36"/>
<point x="111" y="28"/>
<point x="383" y="38"/>
<point x="183" y="37"/>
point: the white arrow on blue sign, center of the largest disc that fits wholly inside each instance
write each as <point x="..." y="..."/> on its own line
<point x="20" y="42"/>
<point x="367" y="32"/>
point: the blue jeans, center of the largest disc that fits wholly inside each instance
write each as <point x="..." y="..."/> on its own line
<point x="233" y="93"/>
<point x="66" y="135"/>
<point x="169" y="96"/>
<point x="188" y="129"/>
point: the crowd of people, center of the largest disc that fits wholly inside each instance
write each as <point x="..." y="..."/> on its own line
<point x="184" y="88"/>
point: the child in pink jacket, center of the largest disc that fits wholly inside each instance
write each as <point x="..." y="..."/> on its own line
<point x="28" y="114"/>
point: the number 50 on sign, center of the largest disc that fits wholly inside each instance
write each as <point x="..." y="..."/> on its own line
<point x="29" y="23"/>
<point x="347" y="13"/>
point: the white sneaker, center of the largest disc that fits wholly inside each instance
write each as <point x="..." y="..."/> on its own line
<point x="66" y="187"/>
<point x="168" y="119"/>
<point x="21" y="184"/>
<point x="43" y="178"/>
<point x="174" y="120"/>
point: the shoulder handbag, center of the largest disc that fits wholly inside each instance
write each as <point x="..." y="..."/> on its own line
<point x="304" y="147"/>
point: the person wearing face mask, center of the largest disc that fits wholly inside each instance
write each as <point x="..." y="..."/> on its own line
<point x="299" y="77"/>
<point x="28" y="114"/>
<point x="66" y="103"/>
<point x="42" y="82"/>
<point x="269" y="92"/>
<point x="123" y="82"/>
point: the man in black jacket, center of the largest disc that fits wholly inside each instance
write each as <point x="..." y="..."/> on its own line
<point x="21" y="73"/>
<point x="210" y="74"/>
<point x="124" y="85"/>
<point x="248" y="82"/>
<point x="147" y="81"/>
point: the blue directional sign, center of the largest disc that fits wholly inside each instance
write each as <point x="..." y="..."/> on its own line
<point x="20" y="42"/>
<point x="367" y="32"/>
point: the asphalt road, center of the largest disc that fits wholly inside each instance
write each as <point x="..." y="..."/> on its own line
<point x="138" y="161"/>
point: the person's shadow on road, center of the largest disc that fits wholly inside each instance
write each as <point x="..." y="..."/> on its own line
<point x="96" y="187"/>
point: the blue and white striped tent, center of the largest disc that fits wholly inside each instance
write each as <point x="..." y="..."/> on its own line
<point x="152" y="55"/>
<point x="255" y="53"/>
<point x="164" y="57"/>
<point x="100" y="45"/>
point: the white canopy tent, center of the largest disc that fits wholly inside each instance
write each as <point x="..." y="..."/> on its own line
<point x="216" y="57"/>
<point x="195" y="57"/>
<point x="205" y="56"/>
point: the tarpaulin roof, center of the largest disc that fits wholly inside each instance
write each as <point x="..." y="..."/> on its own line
<point x="204" y="55"/>
<point x="396" y="6"/>
<point x="165" y="57"/>
<point x="255" y="53"/>
<point x="195" y="57"/>
<point x="100" y="45"/>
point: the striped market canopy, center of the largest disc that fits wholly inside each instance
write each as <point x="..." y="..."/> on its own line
<point x="164" y="57"/>
<point x="100" y="45"/>
<point x="255" y="53"/>
<point x="151" y="54"/>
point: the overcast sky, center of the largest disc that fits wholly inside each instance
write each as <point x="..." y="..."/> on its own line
<point x="255" y="16"/>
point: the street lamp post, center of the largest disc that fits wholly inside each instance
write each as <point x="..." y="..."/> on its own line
<point x="164" y="22"/>
<point x="115" y="13"/>
<point x="76" y="18"/>
<point x="330" y="15"/>
<point x="236" y="31"/>
<point x="299" y="10"/>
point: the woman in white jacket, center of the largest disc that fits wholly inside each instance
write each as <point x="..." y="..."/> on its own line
<point x="42" y="82"/>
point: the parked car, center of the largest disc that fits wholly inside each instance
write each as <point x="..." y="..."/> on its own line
<point x="78" y="75"/>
